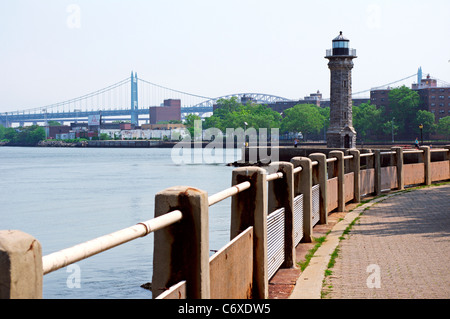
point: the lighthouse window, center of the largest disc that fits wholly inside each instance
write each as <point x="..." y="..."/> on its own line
<point x="340" y="44"/>
<point x="344" y="84"/>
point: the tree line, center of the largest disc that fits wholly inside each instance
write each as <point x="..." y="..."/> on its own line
<point x="27" y="136"/>
<point x="402" y="117"/>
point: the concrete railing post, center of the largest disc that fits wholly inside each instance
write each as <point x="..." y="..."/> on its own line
<point x="399" y="164"/>
<point x="181" y="251"/>
<point x="281" y="194"/>
<point x="249" y="208"/>
<point x="339" y="167"/>
<point x="356" y="168"/>
<point x="303" y="185"/>
<point x="377" y="166"/>
<point x="369" y="159"/>
<point x="21" y="272"/>
<point x="447" y="155"/>
<point x="320" y="176"/>
<point x="426" y="158"/>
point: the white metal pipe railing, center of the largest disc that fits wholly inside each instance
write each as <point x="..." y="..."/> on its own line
<point x="331" y="159"/>
<point x="388" y="153"/>
<point x="366" y="154"/>
<point x="439" y="150"/>
<point x="348" y="157"/>
<point x="233" y="190"/>
<point x="298" y="169"/>
<point x="92" y="247"/>
<point x="274" y="176"/>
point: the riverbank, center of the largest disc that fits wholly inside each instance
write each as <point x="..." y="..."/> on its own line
<point x="170" y="144"/>
<point x="52" y="143"/>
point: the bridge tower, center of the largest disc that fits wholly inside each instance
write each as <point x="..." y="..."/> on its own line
<point x="134" y="99"/>
<point x="341" y="133"/>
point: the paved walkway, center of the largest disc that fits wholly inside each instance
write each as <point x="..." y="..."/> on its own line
<point x="399" y="248"/>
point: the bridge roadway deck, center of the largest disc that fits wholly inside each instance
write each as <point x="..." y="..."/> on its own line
<point x="406" y="235"/>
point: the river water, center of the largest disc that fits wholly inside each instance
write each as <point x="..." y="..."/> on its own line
<point x="66" y="196"/>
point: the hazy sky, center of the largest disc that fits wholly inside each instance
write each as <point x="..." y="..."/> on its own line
<point x="54" y="50"/>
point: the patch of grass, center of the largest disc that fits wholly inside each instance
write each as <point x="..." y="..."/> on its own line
<point x="310" y="254"/>
<point x="334" y="255"/>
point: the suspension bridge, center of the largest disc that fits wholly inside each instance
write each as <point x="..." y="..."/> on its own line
<point x="130" y="100"/>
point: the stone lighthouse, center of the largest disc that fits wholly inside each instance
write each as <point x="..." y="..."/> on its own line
<point x="341" y="133"/>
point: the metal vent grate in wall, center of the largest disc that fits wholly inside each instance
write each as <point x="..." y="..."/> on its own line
<point x="315" y="204"/>
<point x="275" y="241"/>
<point x="298" y="219"/>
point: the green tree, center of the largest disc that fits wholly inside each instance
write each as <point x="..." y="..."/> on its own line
<point x="367" y="120"/>
<point x="444" y="126"/>
<point x="403" y="105"/>
<point x="190" y="122"/>
<point x="213" y="121"/>
<point x="389" y="127"/>
<point x="305" y="118"/>
<point x="2" y="132"/>
<point x="10" y="134"/>
<point x="230" y="113"/>
<point x="29" y="135"/>
<point x="427" y="120"/>
<point x="259" y="116"/>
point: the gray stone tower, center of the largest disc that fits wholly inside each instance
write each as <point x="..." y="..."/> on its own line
<point x="341" y="133"/>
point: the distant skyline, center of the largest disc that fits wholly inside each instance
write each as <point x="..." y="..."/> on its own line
<point x="54" y="50"/>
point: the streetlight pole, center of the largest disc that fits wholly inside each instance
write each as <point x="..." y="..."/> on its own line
<point x="393" y="129"/>
<point x="421" y="135"/>
<point x="46" y="124"/>
<point x="245" y="137"/>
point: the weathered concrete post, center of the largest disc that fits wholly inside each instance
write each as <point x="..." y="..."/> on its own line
<point x="21" y="273"/>
<point x="319" y="176"/>
<point x="370" y="163"/>
<point x="377" y="166"/>
<point x="181" y="251"/>
<point x="399" y="164"/>
<point x="339" y="166"/>
<point x="303" y="185"/>
<point x="356" y="168"/>
<point x="249" y="208"/>
<point x="447" y="155"/>
<point x="426" y="156"/>
<point x="281" y="194"/>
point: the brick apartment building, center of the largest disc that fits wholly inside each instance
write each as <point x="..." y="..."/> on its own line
<point x="171" y="110"/>
<point x="433" y="98"/>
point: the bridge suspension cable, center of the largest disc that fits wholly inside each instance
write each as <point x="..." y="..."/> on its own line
<point x="98" y="95"/>
<point x="153" y="94"/>
<point x="173" y="90"/>
<point x="385" y="85"/>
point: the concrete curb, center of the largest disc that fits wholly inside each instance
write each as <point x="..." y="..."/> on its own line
<point x="309" y="284"/>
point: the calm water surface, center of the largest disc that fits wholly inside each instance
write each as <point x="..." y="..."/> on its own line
<point x="65" y="196"/>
